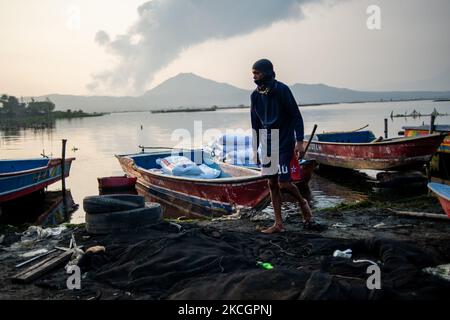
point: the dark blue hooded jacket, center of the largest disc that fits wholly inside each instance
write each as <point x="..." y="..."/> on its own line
<point x="278" y="110"/>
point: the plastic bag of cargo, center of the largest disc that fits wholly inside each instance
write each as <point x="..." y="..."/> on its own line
<point x="241" y="158"/>
<point x="179" y="166"/>
<point x="208" y="172"/>
<point x="228" y="143"/>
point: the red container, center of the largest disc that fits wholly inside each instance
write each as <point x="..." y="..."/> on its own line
<point x="123" y="182"/>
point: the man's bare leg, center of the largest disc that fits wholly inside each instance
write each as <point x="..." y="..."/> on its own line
<point x="293" y="190"/>
<point x="275" y="195"/>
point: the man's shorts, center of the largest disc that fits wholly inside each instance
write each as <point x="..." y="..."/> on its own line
<point x="282" y="170"/>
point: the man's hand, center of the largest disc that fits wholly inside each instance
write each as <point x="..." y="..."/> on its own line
<point x="299" y="150"/>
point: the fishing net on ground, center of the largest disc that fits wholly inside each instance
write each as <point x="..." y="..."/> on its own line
<point x="208" y="263"/>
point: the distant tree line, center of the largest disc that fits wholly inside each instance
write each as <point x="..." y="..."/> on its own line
<point x="11" y="106"/>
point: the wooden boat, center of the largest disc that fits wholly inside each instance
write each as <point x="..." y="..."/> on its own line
<point x="21" y="177"/>
<point x="440" y="164"/>
<point x="122" y="182"/>
<point x="443" y="193"/>
<point x="419" y="131"/>
<point x="361" y="150"/>
<point x="235" y="188"/>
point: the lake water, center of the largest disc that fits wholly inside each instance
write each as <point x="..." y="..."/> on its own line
<point x="95" y="141"/>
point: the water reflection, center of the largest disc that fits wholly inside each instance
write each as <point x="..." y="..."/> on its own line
<point x="95" y="141"/>
<point x="40" y="208"/>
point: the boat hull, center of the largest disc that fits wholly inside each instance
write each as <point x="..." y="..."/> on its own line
<point x="443" y="193"/>
<point x="18" y="184"/>
<point x="208" y="198"/>
<point x="394" y="154"/>
<point x="424" y="130"/>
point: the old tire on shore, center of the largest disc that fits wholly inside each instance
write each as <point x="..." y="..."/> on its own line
<point x="123" y="221"/>
<point x="112" y="203"/>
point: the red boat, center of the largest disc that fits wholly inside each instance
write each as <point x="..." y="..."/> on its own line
<point x="236" y="188"/>
<point x="443" y="193"/>
<point x="122" y="182"/>
<point x="361" y="150"/>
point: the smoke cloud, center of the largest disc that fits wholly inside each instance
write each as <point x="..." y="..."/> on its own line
<point x="165" y="27"/>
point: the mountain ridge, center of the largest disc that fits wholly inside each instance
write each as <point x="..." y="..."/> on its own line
<point x="190" y="90"/>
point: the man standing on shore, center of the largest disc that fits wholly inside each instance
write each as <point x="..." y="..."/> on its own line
<point x="278" y="127"/>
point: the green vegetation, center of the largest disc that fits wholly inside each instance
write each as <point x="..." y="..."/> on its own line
<point x="34" y="114"/>
<point x="350" y="206"/>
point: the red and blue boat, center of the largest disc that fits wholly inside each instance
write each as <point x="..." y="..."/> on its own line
<point x="443" y="193"/>
<point x="19" y="178"/>
<point x="441" y="161"/>
<point x="236" y="188"/>
<point x="420" y="131"/>
<point x="362" y="150"/>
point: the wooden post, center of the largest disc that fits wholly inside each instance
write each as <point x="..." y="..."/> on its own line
<point x="385" y="128"/>
<point x="432" y="126"/>
<point x="432" y="130"/>
<point x="63" y="170"/>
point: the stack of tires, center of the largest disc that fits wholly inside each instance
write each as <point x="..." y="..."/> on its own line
<point x="119" y="213"/>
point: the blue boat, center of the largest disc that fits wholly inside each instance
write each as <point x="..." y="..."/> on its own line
<point x="22" y="177"/>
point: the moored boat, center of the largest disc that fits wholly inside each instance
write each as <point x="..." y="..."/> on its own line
<point x="361" y="150"/>
<point x="419" y="131"/>
<point x="21" y="177"/>
<point x="235" y="188"/>
<point x="443" y="193"/>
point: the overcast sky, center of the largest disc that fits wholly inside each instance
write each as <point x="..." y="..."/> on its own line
<point x="117" y="47"/>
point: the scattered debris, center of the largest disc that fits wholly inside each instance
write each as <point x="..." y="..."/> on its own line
<point x="265" y="265"/>
<point x="347" y="254"/>
<point x="36" y="271"/>
<point x="442" y="271"/>
<point x="341" y="225"/>
<point x="179" y="227"/>
<point x="77" y="253"/>
<point x="385" y="226"/>
<point x="20" y="265"/>
<point x="366" y="261"/>
<point x="96" y="249"/>
<point x="36" y="233"/>
<point x="34" y="253"/>
<point x="421" y="214"/>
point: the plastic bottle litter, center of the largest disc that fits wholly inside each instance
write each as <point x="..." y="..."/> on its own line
<point x="347" y="254"/>
<point x="265" y="265"/>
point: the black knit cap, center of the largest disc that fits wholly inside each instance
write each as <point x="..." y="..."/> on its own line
<point x="266" y="67"/>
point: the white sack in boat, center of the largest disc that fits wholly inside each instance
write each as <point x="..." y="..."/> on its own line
<point x="179" y="166"/>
